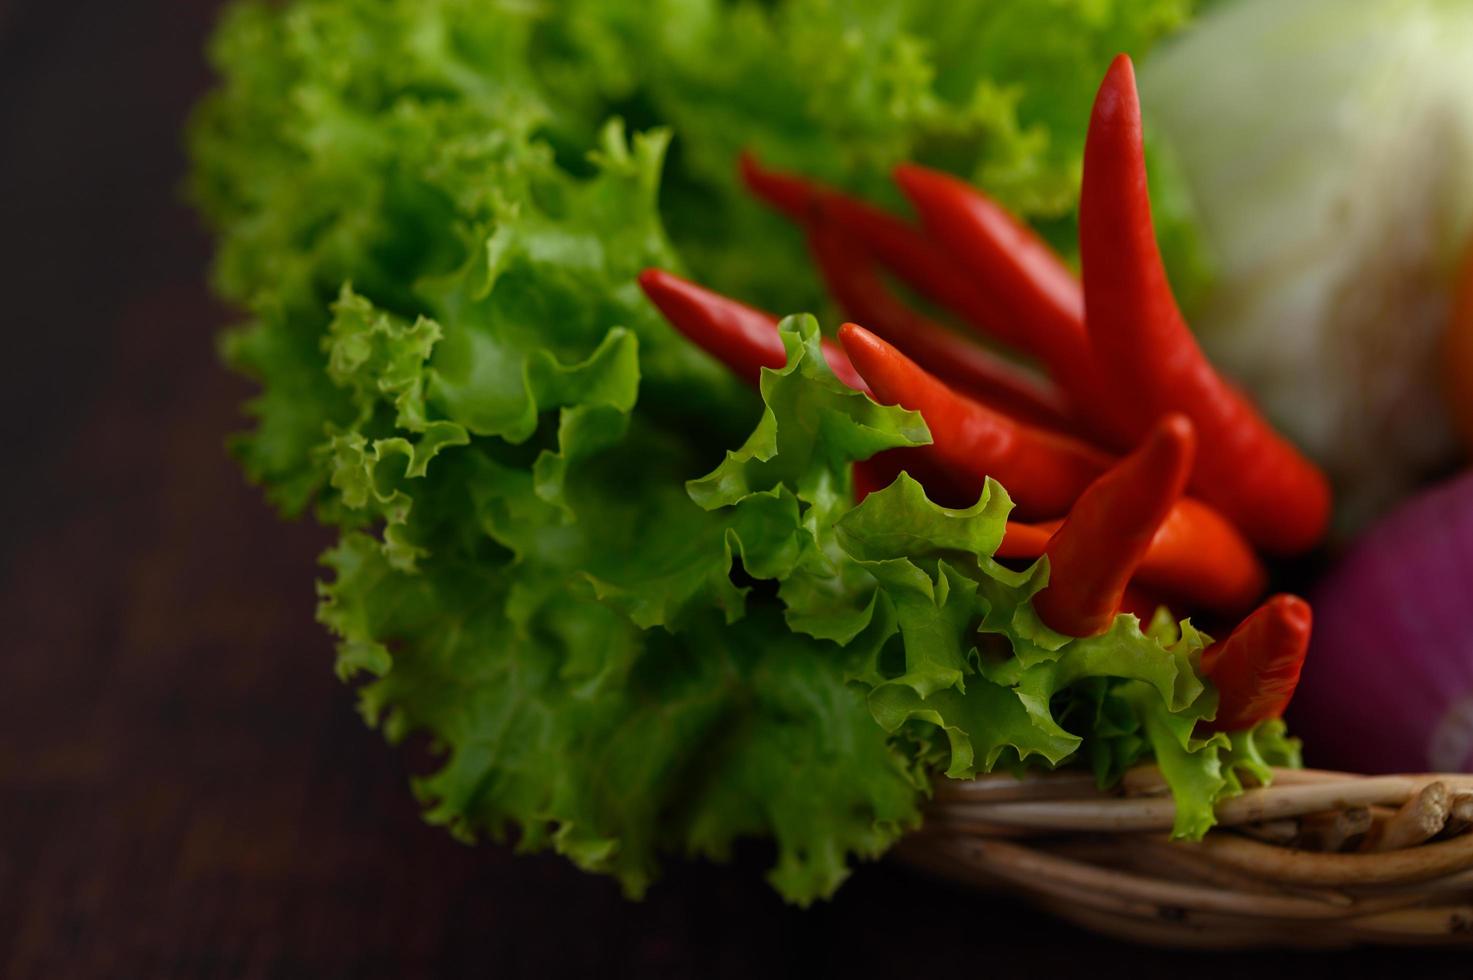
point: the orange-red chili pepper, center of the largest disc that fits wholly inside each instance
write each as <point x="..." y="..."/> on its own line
<point x="1197" y="557"/>
<point x="746" y="340"/>
<point x="1013" y="264"/>
<point x="1096" y="551"/>
<point x="1029" y="281"/>
<point x="1200" y="557"/>
<point x="1024" y="540"/>
<point x="1251" y="473"/>
<point x="1043" y="471"/>
<point x="741" y="337"/>
<point x="901" y="248"/>
<point x="1256" y="669"/>
<point x="854" y="280"/>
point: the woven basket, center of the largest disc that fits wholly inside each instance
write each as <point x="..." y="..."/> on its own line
<point x="1316" y="860"/>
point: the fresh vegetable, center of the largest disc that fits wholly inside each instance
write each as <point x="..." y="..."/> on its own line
<point x="1135" y="358"/>
<point x="973" y="259"/>
<point x="1328" y="148"/>
<point x="1256" y="669"/>
<point x="1389" y="686"/>
<point x="1098" y="547"/>
<point x="744" y="339"/>
<point x="1036" y="293"/>
<point x="855" y="281"/>
<point x="634" y="607"/>
<point x="1278" y="499"/>
<point x="1045" y="471"/>
<point x="1197" y="559"/>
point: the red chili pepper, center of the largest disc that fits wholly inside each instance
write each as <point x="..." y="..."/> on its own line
<point x="744" y="339"/>
<point x="1256" y="669"/>
<point x="1043" y="471"/>
<point x="1197" y="557"/>
<point x="1254" y="476"/>
<point x="1201" y="558"/>
<point x="1024" y="540"/>
<point x="1096" y="551"/>
<point x="1027" y="279"/>
<point x="895" y="244"/>
<point x="1012" y="263"/>
<point x="854" y="280"/>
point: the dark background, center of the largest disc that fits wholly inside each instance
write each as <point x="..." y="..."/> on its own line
<point x="185" y="790"/>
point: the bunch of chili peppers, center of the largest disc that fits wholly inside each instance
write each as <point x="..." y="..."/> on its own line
<point x="1102" y="459"/>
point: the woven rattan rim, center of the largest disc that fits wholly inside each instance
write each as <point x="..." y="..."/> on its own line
<point x="1317" y="859"/>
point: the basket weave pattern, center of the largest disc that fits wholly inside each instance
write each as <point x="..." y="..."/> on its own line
<point x="1317" y="859"/>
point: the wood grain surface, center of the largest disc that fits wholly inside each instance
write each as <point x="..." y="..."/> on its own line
<point x="185" y="790"/>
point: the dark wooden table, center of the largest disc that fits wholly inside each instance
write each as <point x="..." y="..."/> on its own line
<point x="185" y="790"/>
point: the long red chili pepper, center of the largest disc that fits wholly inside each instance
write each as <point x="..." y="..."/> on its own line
<point x="1028" y="280"/>
<point x="1197" y="556"/>
<point x="904" y="250"/>
<point x="854" y="280"/>
<point x="1096" y="551"/>
<point x="741" y="337"/>
<point x="1013" y="264"/>
<point x="746" y="340"/>
<point x="1256" y="669"/>
<point x="1251" y="474"/>
<point x="1043" y="471"/>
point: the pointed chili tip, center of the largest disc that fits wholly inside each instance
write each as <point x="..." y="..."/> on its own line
<point x="908" y="175"/>
<point x="1173" y="443"/>
<point x="1290" y="615"/>
<point x="748" y="166"/>
<point x="652" y="278"/>
<point x="1257" y="668"/>
<point x="1117" y="100"/>
<point x="656" y="284"/>
<point x="926" y="188"/>
<point x="1280" y="627"/>
<point x="878" y="365"/>
<point x="856" y="339"/>
<point x="670" y="293"/>
<point x="791" y="195"/>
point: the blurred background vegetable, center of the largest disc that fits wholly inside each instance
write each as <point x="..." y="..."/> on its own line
<point x="1327" y="146"/>
<point x="1388" y="685"/>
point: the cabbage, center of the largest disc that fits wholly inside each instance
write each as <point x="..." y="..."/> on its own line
<point x="1328" y="149"/>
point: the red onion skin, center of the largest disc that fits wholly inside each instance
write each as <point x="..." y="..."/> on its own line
<point x="1388" y="683"/>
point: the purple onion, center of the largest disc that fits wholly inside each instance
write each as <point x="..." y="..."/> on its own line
<point x="1388" y="683"/>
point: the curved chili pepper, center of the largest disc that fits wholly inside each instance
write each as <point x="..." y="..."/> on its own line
<point x="854" y="280"/>
<point x="1201" y="558"/>
<point x="1024" y="540"/>
<point x="1252" y="474"/>
<point x="741" y="337"/>
<point x="1197" y="556"/>
<point x="1028" y="279"/>
<point x="1256" y="669"/>
<point x="746" y="340"/>
<point x="786" y="193"/>
<point x="1013" y="264"/>
<point x="1096" y="551"/>
<point x="895" y="244"/>
<point x="1043" y="471"/>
